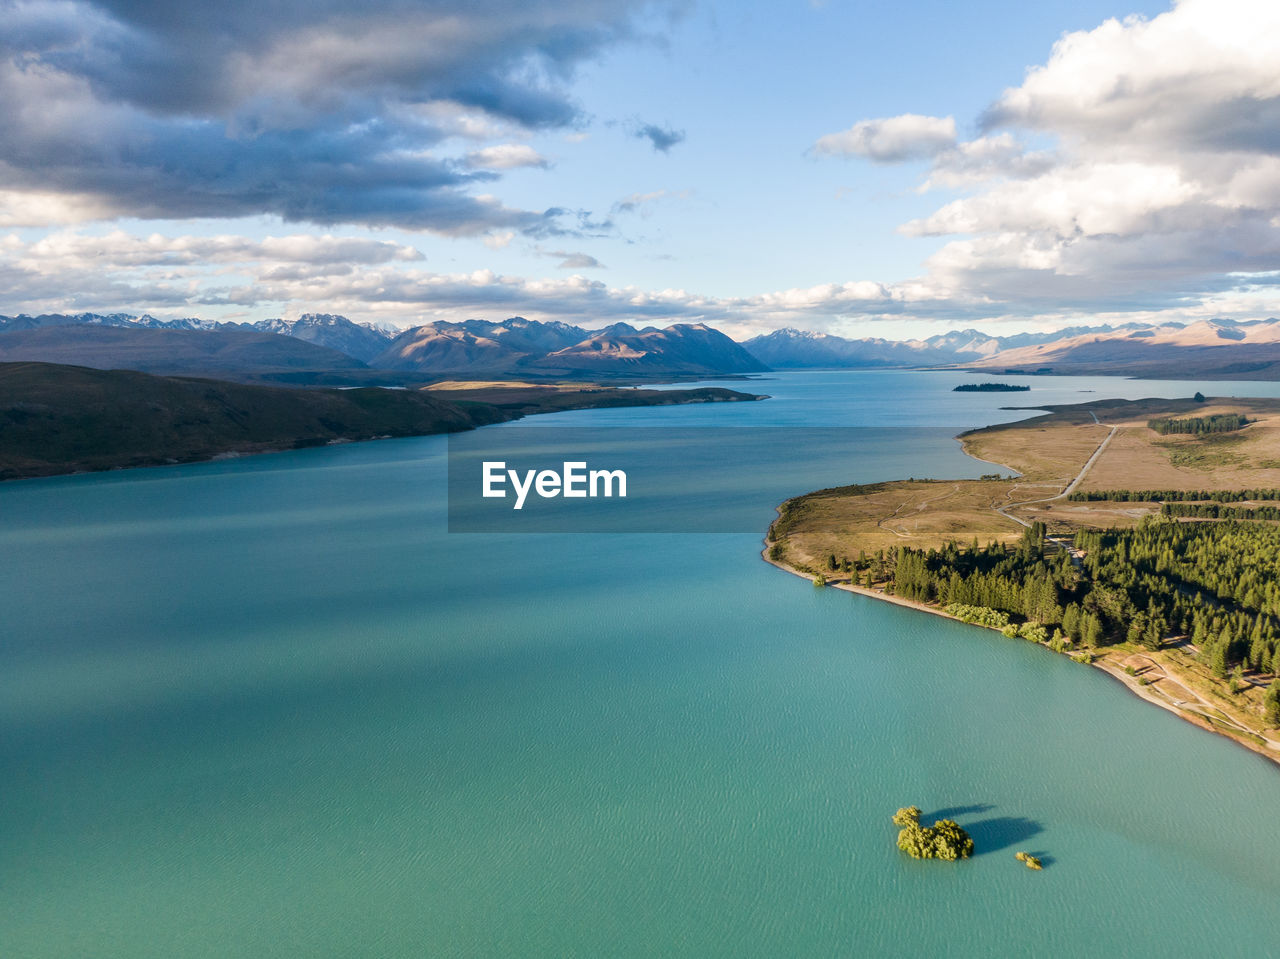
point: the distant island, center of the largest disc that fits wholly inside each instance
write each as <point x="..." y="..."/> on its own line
<point x="990" y="388"/>
<point x="1138" y="539"/>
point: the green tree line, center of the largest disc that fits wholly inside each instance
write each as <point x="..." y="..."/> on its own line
<point x="1200" y="425"/>
<point x="1219" y="511"/>
<point x="1217" y="583"/>
<point x="1174" y="495"/>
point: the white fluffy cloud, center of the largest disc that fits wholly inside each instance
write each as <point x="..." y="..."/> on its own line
<point x="1161" y="183"/>
<point x="1200" y="77"/>
<point x="975" y="161"/>
<point x="506" y="156"/>
<point x="1166" y="176"/>
<point x="892" y="139"/>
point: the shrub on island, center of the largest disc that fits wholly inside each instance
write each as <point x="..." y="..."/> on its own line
<point x="945" y="839"/>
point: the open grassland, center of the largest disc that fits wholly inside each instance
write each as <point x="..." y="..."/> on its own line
<point x="1048" y="452"/>
<point x="852" y="519"/>
<point x="1140" y="458"/>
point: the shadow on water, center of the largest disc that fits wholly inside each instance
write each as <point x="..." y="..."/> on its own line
<point x="955" y="812"/>
<point x="993" y="833"/>
<point x="1001" y="832"/>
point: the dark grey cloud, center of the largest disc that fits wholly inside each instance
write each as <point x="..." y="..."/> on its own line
<point x="316" y="110"/>
<point x="661" y="138"/>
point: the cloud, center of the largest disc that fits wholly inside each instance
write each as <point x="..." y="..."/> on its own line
<point x="1158" y="186"/>
<point x="574" y="261"/>
<point x="660" y="138"/>
<point x="328" y="112"/>
<point x="982" y="280"/>
<point x="506" y="156"/>
<point x="1200" y="77"/>
<point x="986" y="158"/>
<point x="70" y="270"/>
<point x="892" y="139"/>
<point x="642" y="202"/>
<point x="121" y="250"/>
<point x="39" y="208"/>
<point x="357" y="276"/>
<point x="1137" y="171"/>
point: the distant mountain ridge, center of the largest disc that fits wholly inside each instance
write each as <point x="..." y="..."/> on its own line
<point x="791" y="349"/>
<point x="805" y="349"/>
<point x="360" y="341"/>
<point x="1229" y="348"/>
<point x="521" y="347"/>
<point x="172" y="350"/>
<point x="475" y="345"/>
<point x="682" y="348"/>
<point x="1219" y="348"/>
<point x="25" y="321"/>
<point x="471" y="347"/>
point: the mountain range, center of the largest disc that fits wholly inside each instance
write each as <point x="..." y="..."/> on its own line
<point x="1221" y="348"/>
<point x="326" y="343"/>
<point x="319" y="345"/>
<point x="518" y="345"/>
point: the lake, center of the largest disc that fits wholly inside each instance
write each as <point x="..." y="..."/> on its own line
<point x="271" y="707"/>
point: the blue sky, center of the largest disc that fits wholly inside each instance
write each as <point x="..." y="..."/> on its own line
<point x="872" y="169"/>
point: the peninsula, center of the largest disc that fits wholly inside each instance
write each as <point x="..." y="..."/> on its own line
<point x="70" y="419"/>
<point x="1149" y="552"/>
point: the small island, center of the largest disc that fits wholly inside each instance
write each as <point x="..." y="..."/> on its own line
<point x="1028" y="860"/>
<point x="945" y="839"/>
<point x="991" y="388"/>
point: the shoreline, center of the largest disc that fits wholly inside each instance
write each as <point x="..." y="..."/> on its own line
<point x="1101" y="663"/>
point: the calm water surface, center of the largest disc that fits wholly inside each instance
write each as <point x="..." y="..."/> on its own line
<point x="269" y="707"/>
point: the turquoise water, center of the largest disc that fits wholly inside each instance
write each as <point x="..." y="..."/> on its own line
<point x="268" y="707"/>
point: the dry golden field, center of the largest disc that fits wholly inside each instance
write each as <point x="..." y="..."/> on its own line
<point x="1048" y="452"/>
